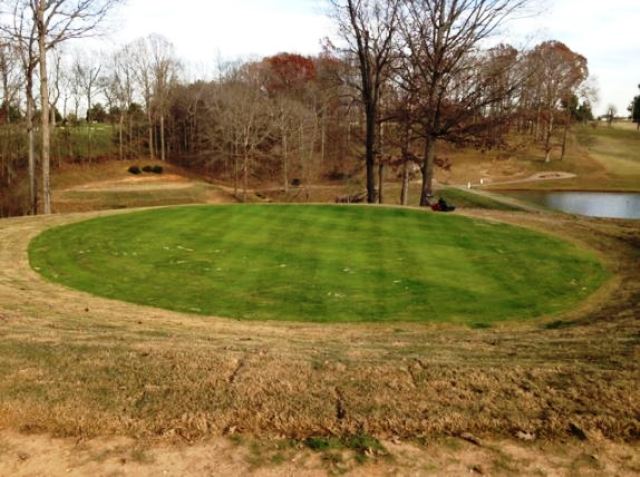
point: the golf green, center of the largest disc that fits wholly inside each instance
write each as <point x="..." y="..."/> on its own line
<point x="320" y="264"/>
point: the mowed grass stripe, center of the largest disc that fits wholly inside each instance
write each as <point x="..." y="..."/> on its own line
<point x="320" y="264"/>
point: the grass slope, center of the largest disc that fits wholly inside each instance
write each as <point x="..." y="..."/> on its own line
<point x="322" y="264"/>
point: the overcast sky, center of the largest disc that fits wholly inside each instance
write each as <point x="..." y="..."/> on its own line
<point x="606" y="32"/>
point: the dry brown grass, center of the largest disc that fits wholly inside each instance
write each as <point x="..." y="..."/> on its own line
<point x="77" y="365"/>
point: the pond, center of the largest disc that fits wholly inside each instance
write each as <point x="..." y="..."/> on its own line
<point x="623" y="205"/>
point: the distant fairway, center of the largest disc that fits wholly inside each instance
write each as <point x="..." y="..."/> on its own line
<point x="320" y="264"/>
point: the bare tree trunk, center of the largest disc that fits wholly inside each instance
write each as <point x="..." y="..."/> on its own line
<point x="380" y="182"/>
<point x="323" y="139"/>
<point x="53" y="133"/>
<point x="285" y="161"/>
<point x="427" y="170"/>
<point x="370" y="156"/>
<point x="564" y="138"/>
<point x="89" y="137"/>
<point x="547" y="144"/>
<point x="33" y="188"/>
<point x="404" y="194"/>
<point x="380" y="154"/>
<point x="152" y="154"/>
<point x="163" y="146"/>
<point x="312" y="146"/>
<point x="131" y="141"/>
<point x="44" y="100"/>
<point x="235" y="176"/>
<point x="121" y="136"/>
<point x="245" y="175"/>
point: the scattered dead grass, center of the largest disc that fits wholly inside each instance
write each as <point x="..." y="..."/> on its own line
<point x="81" y="367"/>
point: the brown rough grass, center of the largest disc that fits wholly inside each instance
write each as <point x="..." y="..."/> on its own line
<point x="78" y="365"/>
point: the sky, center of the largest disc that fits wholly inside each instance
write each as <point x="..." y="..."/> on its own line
<point x="206" y="32"/>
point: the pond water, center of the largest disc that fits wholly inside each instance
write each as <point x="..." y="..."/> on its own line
<point x="623" y="205"/>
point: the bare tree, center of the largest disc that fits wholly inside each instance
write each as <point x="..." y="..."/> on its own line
<point x="369" y="28"/>
<point x="441" y="37"/>
<point x="242" y="121"/>
<point x="119" y="86"/>
<point x="559" y="72"/>
<point x="56" y="87"/>
<point x="164" y="67"/>
<point x="9" y="81"/>
<point x="87" y="72"/>
<point x="144" y="78"/>
<point x="58" y="21"/>
<point x="20" y="30"/>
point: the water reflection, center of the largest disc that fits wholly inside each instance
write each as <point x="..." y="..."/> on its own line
<point x="592" y="204"/>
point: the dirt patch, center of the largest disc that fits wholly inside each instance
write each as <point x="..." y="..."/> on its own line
<point x="40" y="455"/>
<point x="145" y="182"/>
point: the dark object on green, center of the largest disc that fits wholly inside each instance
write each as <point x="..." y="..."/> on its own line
<point x="442" y="206"/>
<point x="135" y="170"/>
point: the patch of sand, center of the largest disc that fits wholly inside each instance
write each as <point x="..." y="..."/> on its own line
<point x="22" y="455"/>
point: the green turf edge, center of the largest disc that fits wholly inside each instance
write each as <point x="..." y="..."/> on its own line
<point x="600" y="276"/>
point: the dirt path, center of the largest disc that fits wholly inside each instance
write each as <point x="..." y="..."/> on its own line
<point x="538" y="177"/>
<point x="40" y="455"/>
<point x="169" y="377"/>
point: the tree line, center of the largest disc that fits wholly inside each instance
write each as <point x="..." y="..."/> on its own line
<point x="403" y="77"/>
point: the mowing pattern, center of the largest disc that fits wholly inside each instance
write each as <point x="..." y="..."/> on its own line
<point x="319" y="263"/>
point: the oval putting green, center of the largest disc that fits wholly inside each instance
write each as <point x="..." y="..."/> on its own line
<point x="320" y="264"/>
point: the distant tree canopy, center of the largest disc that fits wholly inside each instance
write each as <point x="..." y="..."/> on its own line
<point x="97" y="114"/>
<point x="580" y="110"/>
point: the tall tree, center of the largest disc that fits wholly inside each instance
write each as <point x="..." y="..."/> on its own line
<point x="288" y="79"/>
<point x="87" y="71"/>
<point x="369" y="28"/>
<point x="440" y="36"/>
<point x="58" y="21"/>
<point x="559" y="71"/>
<point x="120" y="87"/>
<point x="164" y="67"/>
<point x="144" y="78"/>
